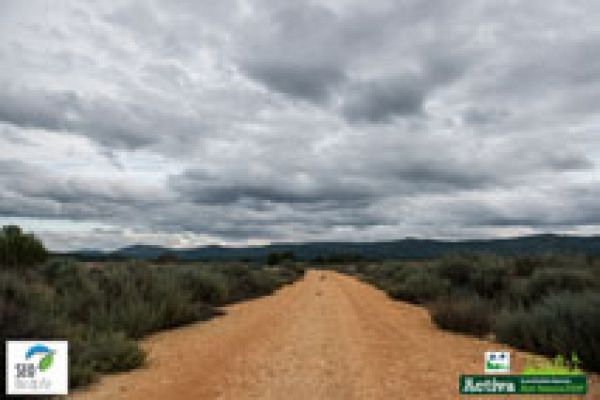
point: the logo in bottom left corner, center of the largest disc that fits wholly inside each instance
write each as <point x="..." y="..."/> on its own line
<point x="37" y="367"/>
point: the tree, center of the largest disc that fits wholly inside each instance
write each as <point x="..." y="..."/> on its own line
<point x="18" y="249"/>
<point x="167" y="257"/>
<point x="277" y="258"/>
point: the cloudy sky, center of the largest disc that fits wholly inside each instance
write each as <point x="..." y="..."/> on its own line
<point x="187" y="123"/>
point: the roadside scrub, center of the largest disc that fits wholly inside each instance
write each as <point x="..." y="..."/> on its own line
<point x="103" y="308"/>
<point x="545" y="304"/>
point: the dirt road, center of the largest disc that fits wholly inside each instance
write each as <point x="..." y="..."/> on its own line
<point x="328" y="336"/>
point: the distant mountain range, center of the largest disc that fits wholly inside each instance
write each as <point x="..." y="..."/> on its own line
<point x="404" y="249"/>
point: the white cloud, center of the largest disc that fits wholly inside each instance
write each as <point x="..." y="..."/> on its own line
<point x="189" y="122"/>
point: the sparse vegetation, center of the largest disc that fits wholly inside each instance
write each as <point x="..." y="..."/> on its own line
<point x="102" y="308"/>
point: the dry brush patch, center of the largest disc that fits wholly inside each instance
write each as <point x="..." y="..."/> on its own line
<point x="545" y="304"/>
<point x="102" y="309"/>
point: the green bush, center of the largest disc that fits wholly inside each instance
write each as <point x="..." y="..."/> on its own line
<point x="524" y="266"/>
<point x="106" y="352"/>
<point x="140" y="300"/>
<point x="27" y="307"/>
<point x="546" y="281"/>
<point x="77" y="292"/>
<point x="277" y="258"/>
<point x="93" y="352"/>
<point x="386" y="276"/>
<point x="537" y="302"/>
<point x="484" y="275"/>
<point x="561" y="324"/>
<point x="515" y="295"/>
<point x="420" y="287"/>
<point x="471" y="315"/>
<point x="101" y="309"/>
<point x="489" y="282"/>
<point x="251" y="284"/>
<point x="206" y="286"/>
<point x="287" y="272"/>
<point x="457" y="270"/>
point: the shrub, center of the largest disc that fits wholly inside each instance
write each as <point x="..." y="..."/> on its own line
<point x="471" y="315"/>
<point x="420" y="287"/>
<point x="387" y="275"/>
<point x="206" y="286"/>
<point x="77" y="290"/>
<point x="524" y="266"/>
<point x="489" y="282"/>
<point x="561" y="324"/>
<point x="101" y="352"/>
<point x="252" y="284"/>
<point x="297" y="270"/>
<point x="167" y="257"/>
<point x="457" y="270"/>
<point x="107" y="351"/>
<point x="515" y="295"/>
<point x="288" y="272"/>
<point x="140" y="300"/>
<point x="277" y="258"/>
<point x="547" y="281"/>
<point x="27" y="308"/>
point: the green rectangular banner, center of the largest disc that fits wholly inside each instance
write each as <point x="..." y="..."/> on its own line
<point x="523" y="384"/>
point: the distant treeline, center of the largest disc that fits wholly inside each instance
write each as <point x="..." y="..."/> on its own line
<point x="331" y="252"/>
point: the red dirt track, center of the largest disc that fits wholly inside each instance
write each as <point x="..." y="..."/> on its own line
<point x="328" y="336"/>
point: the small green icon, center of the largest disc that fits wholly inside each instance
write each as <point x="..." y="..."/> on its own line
<point x="46" y="361"/>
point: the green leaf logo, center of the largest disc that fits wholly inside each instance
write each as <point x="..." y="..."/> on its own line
<point x="46" y="361"/>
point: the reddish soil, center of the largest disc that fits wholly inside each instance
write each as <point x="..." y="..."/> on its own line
<point x="327" y="336"/>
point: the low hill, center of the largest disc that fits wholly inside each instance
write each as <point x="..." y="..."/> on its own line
<point x="405" y="249"/>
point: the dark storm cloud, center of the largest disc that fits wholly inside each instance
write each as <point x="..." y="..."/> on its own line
<point x="378" y="101"/>
<point x="278" y="187"/>
<point x="348" y="179"/>
<point x="29" y="191"/>
<point x="37" y="109"/>
<point x="307" y="82"/>
<point x="294" y="49"/>
<point x="402" y="95"/>
<point x="565" y="205"/>
<point x="271" y="120"/>
<point x="102" y="119"/>
<point x="307" y="50"/>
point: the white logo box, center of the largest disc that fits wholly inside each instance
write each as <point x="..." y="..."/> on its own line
<point x="497" y="362"/>
<point x="23" y="374"/>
